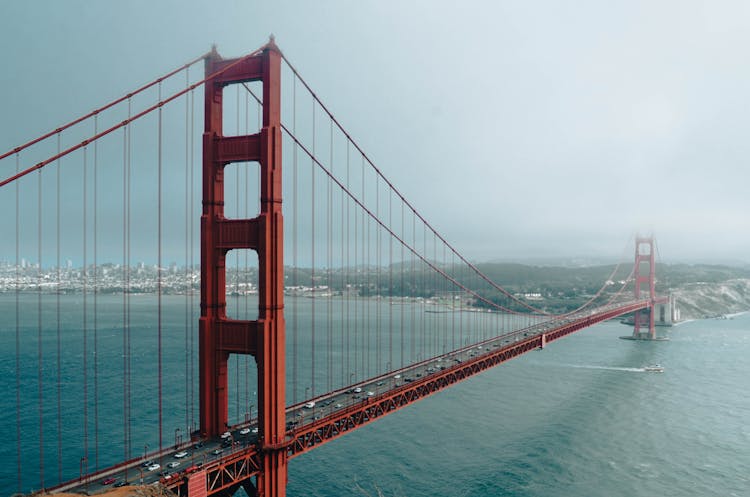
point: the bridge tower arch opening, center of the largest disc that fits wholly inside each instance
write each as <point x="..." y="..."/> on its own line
<point x="264" y="337"/>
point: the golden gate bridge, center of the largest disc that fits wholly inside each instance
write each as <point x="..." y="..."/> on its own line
<point x="335" y="308"/>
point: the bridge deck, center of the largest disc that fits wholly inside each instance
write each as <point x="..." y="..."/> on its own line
<point x="223" y="464"/>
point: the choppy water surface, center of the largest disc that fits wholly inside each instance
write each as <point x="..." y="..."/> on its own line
<point x="581" y="417"/>
<point x="578" y="418"/>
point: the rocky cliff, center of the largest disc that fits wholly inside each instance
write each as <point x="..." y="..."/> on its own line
<point x="703" y="300"/>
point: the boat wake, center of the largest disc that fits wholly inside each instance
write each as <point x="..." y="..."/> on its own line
<point x="607" y="368"/>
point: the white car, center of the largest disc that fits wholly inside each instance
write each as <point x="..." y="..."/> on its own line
<point x="226" y="434"/>
<point x="153" y="467"/>
<point x="357" y="390"/>
<point x="255" y="430"/>
<point x="173" y="464"/>
<point x="370" y="394"/>
<point x="181" y="454"/>
<point x="311" y="404"/>
<point x="244" y="431"/>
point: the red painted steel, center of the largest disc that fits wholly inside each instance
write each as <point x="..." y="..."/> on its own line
<point x="240" y="465"/>
<point x="219" y="335"/>
<point x="341" y="422"/>
<point x="648" y="279"/>
<point x="196" y="484"/>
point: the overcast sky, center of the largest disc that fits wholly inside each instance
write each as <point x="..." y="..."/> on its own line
<point x="519" y="129"/>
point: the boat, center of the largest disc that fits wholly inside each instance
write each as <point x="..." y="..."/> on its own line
<point x="654" y="368"/>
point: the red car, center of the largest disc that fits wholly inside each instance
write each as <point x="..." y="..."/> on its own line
<point x="109" y="481"/>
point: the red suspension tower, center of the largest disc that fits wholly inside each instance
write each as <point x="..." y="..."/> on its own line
<point x="644" y="257"/>
<point x="263" y="338"/>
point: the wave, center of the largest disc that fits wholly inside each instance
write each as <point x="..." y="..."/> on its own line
<point x="607" y="368"/>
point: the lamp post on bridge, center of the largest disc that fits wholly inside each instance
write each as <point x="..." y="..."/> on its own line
<point x="177" y="437"/>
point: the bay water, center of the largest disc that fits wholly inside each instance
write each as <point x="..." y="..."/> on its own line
<point x="580" y="417"/>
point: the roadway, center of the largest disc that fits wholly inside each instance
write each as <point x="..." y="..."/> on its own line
<point x="181" y="460"/>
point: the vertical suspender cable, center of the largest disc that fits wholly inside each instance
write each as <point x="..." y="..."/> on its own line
<point x="378" y="292"/>
<point x="85" y="319"/>
<point x="402" y="265"/>
<point x="364" y="273"/>
<point x="295" y="271"/>
<point x="446" y="295"/>
<point x="188" y="269"/>
<point x="96" y="301"/>
<point x="18" y="334"/>
<point x="435" y="281"/>
<point x="428" y="291"/>
<point x="345" y="324"/>
<point x="158" y="268"/>
<point x="237" y="269"/>
<point x="366" y="329"/>
<point x="126" y="282"/>
<point x="460" y="306"/>
<point x="390" y="276"/>
<point x="415" y="286"/>
<point x="57" y="312"/>
<point x="455" y="299"/>
<point x="329" y="263"/>
<point x="312" y="256"/>
<point x="127" y="279"/>
<point x="124" y="297"/>
<point x="356" y="292"/>
<point x="344" y="292"/>
<point x="192" y="259"/>
<point x="39" y="330"/>
<point x="247" y="268"/>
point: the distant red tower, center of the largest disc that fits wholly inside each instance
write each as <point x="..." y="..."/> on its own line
<point x="643" y="257"/>
<point x="219" y="336"/>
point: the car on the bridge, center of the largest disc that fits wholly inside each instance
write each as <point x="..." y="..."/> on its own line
<point x="173" y="464"/>
<point x="244" y="431"/>
<point x="109" y="481"/>
<point x="311" y="404"/>
<point x="181" y="454"/>
<point x="153" y="467"/>
<point x="121" y="483"/>
<point x="216" y="452"/>
<point x="226" y="434"/>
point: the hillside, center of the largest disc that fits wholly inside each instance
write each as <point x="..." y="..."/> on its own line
<point x="703" y="299"/>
